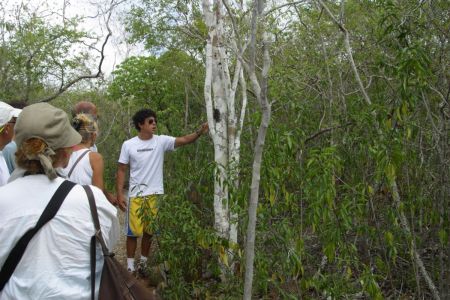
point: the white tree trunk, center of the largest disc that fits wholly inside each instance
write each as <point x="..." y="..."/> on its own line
<point x="260" y="88"/>
<point x="253" y="203"/>
<point x="216" y="110"/>
<point x="220" y="93"/>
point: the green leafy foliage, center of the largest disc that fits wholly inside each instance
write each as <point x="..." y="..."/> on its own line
<point x="36" y="56"/>
<point x="327" y="225"/>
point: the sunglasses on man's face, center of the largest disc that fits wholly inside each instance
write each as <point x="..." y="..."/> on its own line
<point x="151" y="121"/>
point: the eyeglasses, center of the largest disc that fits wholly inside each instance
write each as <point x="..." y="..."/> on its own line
<point x="151" y="121"/>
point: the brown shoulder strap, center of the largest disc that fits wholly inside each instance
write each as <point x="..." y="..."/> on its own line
<point x="94" y="213"/>
<point x="76" y="162"/>
<point x="97" y="237"/>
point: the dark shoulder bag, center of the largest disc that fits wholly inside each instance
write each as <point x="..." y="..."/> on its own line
<point x="116" y="282"/>
<point x="49" y="212"/>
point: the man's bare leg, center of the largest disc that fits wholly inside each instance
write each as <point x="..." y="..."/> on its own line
<point x="145" y="250"/>
<point x="146" y="243"/>
<point x="131" y="250"/>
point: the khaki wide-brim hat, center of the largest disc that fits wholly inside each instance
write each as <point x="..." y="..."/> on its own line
<point x="48" y="123"/>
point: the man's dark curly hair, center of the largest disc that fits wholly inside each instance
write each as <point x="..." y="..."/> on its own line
<point x="140" y="116"/>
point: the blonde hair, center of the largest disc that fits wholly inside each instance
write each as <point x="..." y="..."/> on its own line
<point x="86" y="127"/>
<point x="32" y="156"/>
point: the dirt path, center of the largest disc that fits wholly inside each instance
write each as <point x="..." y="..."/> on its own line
<point x="120" y="250"/>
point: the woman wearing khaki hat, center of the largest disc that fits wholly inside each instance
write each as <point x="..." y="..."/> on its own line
<point x="56" y="262"/>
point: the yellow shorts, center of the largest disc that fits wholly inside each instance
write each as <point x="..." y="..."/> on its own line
<point x="139" y="208"/>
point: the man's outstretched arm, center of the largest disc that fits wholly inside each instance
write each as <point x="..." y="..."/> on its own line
<point x="190" y="138"/>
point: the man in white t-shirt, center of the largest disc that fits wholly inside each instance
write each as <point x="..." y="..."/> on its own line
<point x="144" y="155"/>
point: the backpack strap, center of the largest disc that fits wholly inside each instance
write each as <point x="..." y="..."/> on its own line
<point x="76" y="162"/>
<point x="17" y="252"/>
<point x="97" y="237"/>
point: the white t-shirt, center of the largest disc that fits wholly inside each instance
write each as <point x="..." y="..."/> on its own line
<point x="82" y="173"/>
<point x="146" y="160"/>
<point x="4" y="171"/>
<point x="56" y="262"/>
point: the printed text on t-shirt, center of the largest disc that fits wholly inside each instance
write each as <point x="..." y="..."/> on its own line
<point x="145" y="149"/>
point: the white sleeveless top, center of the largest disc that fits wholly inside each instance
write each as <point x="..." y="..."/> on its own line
<point x="82" y="174"/>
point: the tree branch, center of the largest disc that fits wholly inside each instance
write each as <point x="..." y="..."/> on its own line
<point x="281" y="6"/>
<point x="65" y="87"/>
<point x="327" y="130"/>
<point x="348" y="49"/>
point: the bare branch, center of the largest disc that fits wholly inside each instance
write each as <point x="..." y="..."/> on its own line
<point x="65" y="87"/>
<point x="233" y="22"/>
<point x="348" y="49"/>
<point x="416" y="257"/>
<point x="325" y="130"/>
<point x="281" y="6"/>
